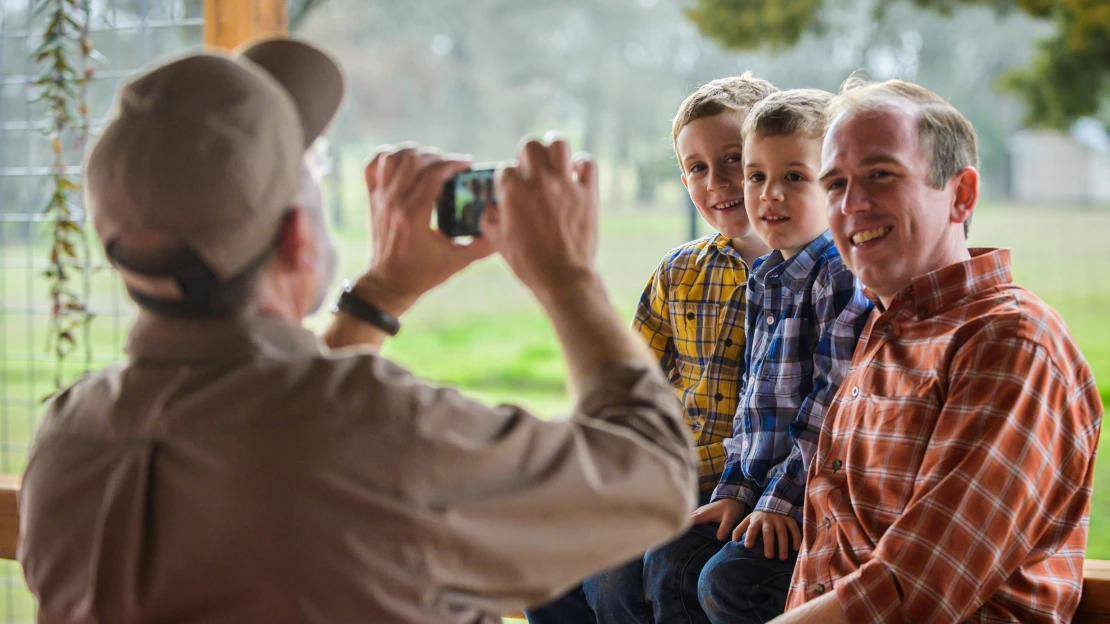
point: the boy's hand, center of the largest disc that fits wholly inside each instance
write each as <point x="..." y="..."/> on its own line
<point x="727" y="512"/>
<point x="774" y="528"/>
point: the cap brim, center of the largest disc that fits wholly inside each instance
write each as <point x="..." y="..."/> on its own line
<point x="310" y="76"/>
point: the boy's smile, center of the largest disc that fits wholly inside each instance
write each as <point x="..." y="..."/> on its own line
<point x="731" y="203"/>
<point x="784" y="201"/>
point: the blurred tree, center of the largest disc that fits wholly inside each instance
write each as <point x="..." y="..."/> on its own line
<point x="1069" y="77"/>
<point x="473" y="77"/>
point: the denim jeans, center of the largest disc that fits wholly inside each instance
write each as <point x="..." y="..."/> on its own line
<point x="740" y="586"/>
<point x="661" y="586"/>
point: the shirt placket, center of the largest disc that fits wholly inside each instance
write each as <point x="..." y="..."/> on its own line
<point x="712" y="353"/>
<point x="765" y="334"/>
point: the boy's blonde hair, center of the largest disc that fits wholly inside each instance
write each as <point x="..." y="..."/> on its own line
<point x="946" y="136"/>
<point x="792" y="112"/>
<point x="735" y="93"/>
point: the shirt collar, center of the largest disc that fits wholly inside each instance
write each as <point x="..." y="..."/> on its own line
<point x="794" y="271"/>
<point x="159" y="337"/>
<point x="940" y="289"/>
<point x="721" y="244"/>
<point x="724" y="245"/>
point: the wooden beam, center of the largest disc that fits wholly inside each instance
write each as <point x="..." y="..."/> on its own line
<point x="9" y="515"/>
<point x="1094" y="605"/>
<point x="230" y="23"/>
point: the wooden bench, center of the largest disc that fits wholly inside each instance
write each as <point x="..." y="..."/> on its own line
<point x="1094" y="607"/>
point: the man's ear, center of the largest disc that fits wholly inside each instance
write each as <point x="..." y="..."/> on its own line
<point x="966" y="194"/>
<point x="295" y="246"/>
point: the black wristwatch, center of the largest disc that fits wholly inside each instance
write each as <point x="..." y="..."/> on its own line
<point x="352" y="304"/>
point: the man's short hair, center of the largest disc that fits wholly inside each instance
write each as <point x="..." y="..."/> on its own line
<point x="735" y="93"/>
<point x="946" y="136"/>
<point x="792" y="112"/>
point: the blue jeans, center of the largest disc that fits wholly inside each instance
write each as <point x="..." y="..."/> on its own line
<point x="661" y="586"/>
<point x="739" y="585"/>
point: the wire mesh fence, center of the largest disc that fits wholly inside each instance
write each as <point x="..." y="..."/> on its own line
<point x="125" y="35"/>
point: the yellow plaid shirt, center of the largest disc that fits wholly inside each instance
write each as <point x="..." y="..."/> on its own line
<point x="692" y="316"/>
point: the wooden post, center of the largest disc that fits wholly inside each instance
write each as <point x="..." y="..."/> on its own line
<point x="229" y="23"/>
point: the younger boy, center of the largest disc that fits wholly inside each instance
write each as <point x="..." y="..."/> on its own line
<point x="692" y="315"/>
<point x="805" y="312"/>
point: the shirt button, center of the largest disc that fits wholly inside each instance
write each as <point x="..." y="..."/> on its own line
<point x="718" y="396"/>
<point x="887" y="328"/>
<point x="691" y="315"/>
<point x="827" y="522"/>
<point x="770" y="319"/>
<point x="820" y="589"/>
<point x="855" y="391"/>
<point x="923" y="311"/>
<point x="728" y="342"/>
<point x="837" y="464"/>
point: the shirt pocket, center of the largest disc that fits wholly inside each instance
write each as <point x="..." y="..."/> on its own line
<point x="695" y="329"/>
<point x="887" y="444"/>
<point x="788" y="358"/>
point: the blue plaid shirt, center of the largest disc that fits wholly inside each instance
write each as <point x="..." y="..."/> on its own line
<point x="804" y="316"/>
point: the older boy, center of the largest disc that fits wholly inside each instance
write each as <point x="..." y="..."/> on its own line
<point x="692" y="315"/>
<point x="805" y="312"/>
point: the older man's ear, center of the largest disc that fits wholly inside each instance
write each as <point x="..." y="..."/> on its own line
<point x="295" y="249"/>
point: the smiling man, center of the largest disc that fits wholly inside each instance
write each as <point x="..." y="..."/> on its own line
<point x="953" y="475"/>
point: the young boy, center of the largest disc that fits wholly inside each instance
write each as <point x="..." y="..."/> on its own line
<point x="805" y="312"/>
<point x="692" y="315"/>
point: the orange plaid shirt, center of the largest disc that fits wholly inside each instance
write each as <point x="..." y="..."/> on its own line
<point x="953" y="474"/>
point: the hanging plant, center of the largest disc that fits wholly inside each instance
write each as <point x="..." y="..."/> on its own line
<point x="63" y="86"/>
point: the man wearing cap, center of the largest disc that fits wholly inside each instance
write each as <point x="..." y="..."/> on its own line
<point x="233" y="470"/>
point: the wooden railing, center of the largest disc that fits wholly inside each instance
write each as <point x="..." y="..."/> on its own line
<point x="1094" y="607"/>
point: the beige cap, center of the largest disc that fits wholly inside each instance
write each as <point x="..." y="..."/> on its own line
<point x="208" y="149"/>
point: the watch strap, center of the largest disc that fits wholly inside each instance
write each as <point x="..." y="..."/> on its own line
<point x="353" y="305"/>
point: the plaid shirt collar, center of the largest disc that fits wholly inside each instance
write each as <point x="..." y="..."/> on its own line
<point x="793" y="272"/>
<point x="941" y="289"/>
<point x="723" y="245"/>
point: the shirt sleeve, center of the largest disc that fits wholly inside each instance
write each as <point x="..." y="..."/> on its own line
<point x="519" y="508"/>
<point x="840" y="309"/>
<point x="1008" y="470"/>
<point x="652" y="321"/>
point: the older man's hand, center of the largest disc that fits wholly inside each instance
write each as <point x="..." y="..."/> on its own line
<point x="545" y="221"/>
<point x="409" y="256"/>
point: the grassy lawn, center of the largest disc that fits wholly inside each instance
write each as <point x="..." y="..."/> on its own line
<point x="484" y="333"/>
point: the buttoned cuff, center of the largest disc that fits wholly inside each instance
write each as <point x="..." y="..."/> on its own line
<point x="774" y="504"/>
<point x="870" y="594"/>
<point x="740" y="492"/>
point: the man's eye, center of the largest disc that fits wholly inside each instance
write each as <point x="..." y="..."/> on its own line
<point x="734" y="158"/>
<point x="835" y="185"/>
<point x="880" y="173"/>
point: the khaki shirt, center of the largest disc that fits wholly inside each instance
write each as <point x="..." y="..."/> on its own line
<point x="234" y="471"/>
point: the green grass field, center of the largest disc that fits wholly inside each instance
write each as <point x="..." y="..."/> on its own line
<point x="484" y="333"/>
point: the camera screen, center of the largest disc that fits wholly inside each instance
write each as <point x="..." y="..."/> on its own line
<point x="473" y="192"/>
